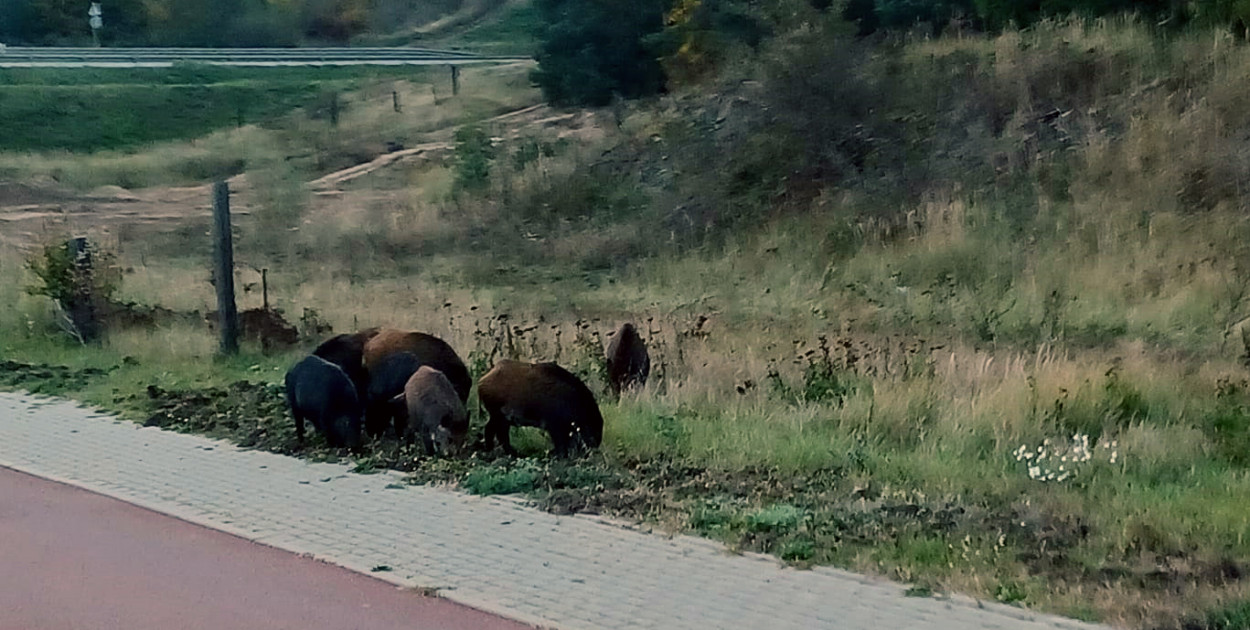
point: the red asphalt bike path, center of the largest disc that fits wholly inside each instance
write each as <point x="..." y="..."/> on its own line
<point x="71" y="559"/>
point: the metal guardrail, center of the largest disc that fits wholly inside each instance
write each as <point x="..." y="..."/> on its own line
<point x="23" y="56"/>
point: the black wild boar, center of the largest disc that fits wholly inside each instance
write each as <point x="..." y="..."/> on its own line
<point x="628" y="361"/>
<point x="386" y="381"/>
<point x="321" y="392"/>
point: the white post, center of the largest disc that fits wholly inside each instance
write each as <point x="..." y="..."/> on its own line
<point x="95" y="18"/>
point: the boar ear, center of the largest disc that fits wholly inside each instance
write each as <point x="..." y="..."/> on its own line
<point x="398" y="398"/>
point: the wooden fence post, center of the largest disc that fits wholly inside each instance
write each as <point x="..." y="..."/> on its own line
<point x="395" y="101"/>
<point x="455" y="80"/>
<point x="223" y="270"/>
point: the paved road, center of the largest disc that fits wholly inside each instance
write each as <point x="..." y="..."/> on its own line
<point x="493" y="554"/>
<point x="48" y="57"/>
<point x="75" y="559"/>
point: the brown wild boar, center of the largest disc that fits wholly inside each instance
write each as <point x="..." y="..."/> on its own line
<point x="434" y="412"/>
<point x="628" y="361"/>
<point x="430" y="350"/>
<point x="348" y="352"/>
<point x="542" y="395"/>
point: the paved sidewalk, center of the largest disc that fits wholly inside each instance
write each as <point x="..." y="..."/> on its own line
<point x="494" y="554"/>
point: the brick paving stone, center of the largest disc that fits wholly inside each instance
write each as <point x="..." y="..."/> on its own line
<point x="491" y="553"/>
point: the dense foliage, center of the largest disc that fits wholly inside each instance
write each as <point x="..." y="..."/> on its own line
<point x="591" y="51"/>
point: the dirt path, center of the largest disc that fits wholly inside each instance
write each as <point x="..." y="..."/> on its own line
<point x="30" y="212"/>
<point x="75" y="559"/>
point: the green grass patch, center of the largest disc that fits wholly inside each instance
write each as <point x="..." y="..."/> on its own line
<point x="510" y="32"/>
<point x="1234" y="616"/>
<point x="89" y="118"/>
<point x="91" y="111"/>
<point x="200" y="74"/>
<point x="518" y="479"/>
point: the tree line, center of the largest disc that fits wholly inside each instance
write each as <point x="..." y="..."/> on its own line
<point x="217" y="23"/>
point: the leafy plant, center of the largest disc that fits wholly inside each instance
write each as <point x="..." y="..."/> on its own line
<point x="485" y="481"/>
<point x="779" y="518"/>
<point x="76" y="276"/>
<point x="797" y="550"/>
<point x="1010" y="593"/>
<point x="474" y="154"/>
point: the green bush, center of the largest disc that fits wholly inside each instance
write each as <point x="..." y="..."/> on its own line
<point x="474" y="155"/>
<point x="79" y="281"/>
<point x="591" y="52"/>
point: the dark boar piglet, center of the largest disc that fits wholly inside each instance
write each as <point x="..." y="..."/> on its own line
<point x="434" y="412"/>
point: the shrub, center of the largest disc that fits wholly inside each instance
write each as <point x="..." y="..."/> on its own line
<point x="474" y="155"/>
<point x="590" y="52"/>
<point x="702" y="34"/>
<point x="75" y="275"/>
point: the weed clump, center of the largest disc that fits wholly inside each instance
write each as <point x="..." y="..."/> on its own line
<point x="518" y="479"/>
